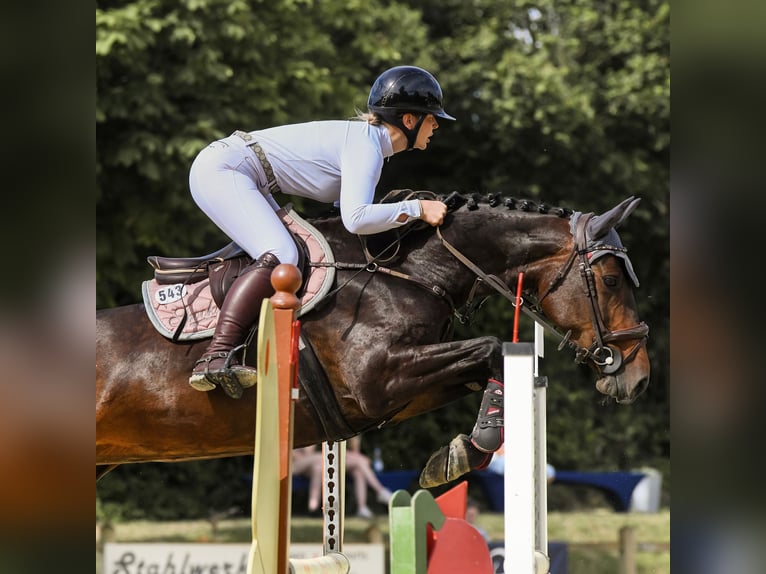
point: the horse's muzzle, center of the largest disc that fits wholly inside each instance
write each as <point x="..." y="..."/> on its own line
<point x="620" y="390"/>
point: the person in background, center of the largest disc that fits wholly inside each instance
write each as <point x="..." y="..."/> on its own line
<point x="471" y="514"/>
<point x="308" y="462"/>
<point x="359" y="466"/>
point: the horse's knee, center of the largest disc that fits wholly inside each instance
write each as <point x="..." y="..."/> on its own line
<point x="495" y="352"/>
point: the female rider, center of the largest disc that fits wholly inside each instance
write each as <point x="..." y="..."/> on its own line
<point x="233" y="181"/>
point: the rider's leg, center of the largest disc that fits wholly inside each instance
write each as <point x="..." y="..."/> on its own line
<point x="220" y="365"/>
<point x="224" y="182"/>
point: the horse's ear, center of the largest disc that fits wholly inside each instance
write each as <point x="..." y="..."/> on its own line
<point x="600" y="225"/>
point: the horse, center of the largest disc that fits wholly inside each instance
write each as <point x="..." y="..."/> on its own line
<point x="382" y="339"/>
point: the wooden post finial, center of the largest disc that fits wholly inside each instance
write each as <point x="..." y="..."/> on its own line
<point x="286" y="280"/>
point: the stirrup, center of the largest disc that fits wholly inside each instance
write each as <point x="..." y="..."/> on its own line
<point x="246" y="376"/>
<point x="232" y="378"/>
<point x="228" y="382"/>
<point x="200" y="380"/>
<point x="224" y="376"/>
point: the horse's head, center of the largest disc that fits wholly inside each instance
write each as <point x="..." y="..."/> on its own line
<point x="589" y="295"/>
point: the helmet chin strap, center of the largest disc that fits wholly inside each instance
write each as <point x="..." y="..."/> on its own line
<point x="411" y="134"/>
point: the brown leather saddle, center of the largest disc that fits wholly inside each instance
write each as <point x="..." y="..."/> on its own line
<point x="222" y="267"/>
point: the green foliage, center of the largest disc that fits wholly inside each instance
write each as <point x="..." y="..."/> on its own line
<point x="567" y="103"/>
<point x="162" y="491"/>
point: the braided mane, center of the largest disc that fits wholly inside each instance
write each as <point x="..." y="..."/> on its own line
<point x="472" y="200"/>
<point x="455" y="200"/>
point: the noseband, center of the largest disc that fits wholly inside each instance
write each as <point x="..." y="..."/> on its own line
<point x="606" y="357"/>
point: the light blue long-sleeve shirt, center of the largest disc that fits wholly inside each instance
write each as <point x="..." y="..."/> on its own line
<point x="335" y="160"/>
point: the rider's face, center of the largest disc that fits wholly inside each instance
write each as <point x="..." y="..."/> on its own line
<point x="427" y="128"/>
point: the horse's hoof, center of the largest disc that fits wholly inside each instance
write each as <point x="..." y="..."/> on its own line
<point x="247" y="376"/>
<point x="435" y="471"/>
<point x="447" y="464"/>
<point x="199" y="382"/>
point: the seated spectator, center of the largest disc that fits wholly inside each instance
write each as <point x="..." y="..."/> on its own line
<point x="359" y="466"/>
<point x="308" y="462"/>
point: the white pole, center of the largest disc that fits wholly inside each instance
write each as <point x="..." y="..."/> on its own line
<point x="541" y="448"/>
<point x="519" y="362"/>
<point x="526" y="503"/>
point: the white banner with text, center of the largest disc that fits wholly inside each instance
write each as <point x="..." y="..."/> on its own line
<point x="198" y="558"/>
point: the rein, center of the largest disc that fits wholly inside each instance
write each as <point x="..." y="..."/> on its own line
<point x="607" y="358"/>
<point x="497" y="284"/>
<point x="373" y="265"/>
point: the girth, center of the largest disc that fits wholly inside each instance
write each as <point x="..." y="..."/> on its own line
<point x="314" y="382"/>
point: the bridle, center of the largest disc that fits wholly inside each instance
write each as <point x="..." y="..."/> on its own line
<point x="602" y="353"/>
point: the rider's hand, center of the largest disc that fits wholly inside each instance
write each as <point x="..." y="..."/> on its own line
<point x="432" y="212"/>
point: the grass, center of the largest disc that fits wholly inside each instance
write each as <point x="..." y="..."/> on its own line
<point x="592" y="536"/>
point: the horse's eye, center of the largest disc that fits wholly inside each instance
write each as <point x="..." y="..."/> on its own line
<point x="610" y="280"/>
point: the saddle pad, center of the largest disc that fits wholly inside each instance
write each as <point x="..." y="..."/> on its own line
<point x="166" y="305"/>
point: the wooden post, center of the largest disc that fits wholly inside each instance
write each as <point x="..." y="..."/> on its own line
<point x="627" y="550"/>
<point x="272" y="474"/>
<point x="278" y="334"/>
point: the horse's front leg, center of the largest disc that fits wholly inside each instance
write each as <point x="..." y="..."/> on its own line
<point x="465" y="453"/>
<point x="422" y="376"/>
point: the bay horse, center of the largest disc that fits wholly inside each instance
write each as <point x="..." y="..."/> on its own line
<point x="383" y="336"/>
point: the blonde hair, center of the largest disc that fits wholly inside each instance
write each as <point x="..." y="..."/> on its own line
<point x="369" y="117"/>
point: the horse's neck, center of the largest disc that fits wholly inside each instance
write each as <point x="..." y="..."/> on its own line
<point x="505" y="244"/>
<point x="500" y="244"/>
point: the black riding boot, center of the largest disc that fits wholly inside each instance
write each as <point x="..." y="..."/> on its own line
<point x="220" y="365"/>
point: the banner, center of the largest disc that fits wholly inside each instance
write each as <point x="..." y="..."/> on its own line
<point x="194" y="558"/>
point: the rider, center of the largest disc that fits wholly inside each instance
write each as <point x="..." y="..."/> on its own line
<point x="233" y="180"/>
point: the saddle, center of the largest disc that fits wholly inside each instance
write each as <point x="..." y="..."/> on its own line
<point x="186" y="293"/>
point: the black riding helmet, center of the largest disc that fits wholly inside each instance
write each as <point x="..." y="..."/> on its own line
<point x="404" y="89"/>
